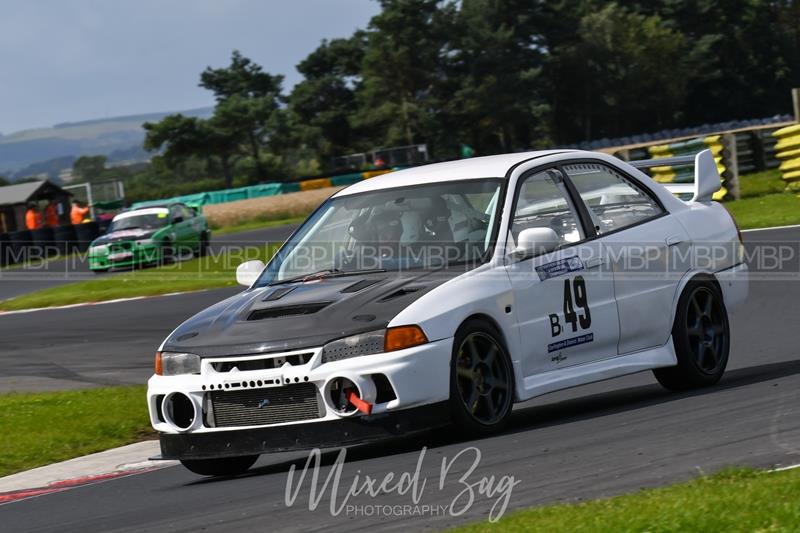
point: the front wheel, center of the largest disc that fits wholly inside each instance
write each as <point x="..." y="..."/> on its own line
<point x="167" y="252"/>
<point x="202" y="250"/>
<point x="481" y="379"/>
<point x="225" y="466"/>
<point x="701" y="336"/>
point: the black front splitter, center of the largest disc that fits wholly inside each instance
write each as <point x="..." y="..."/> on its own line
<point x="336" y="433"/>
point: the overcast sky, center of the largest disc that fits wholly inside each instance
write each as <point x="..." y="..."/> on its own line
<point x="72" y="60"/>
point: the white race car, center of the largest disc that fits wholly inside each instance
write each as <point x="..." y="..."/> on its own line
<point x="443" y="294"/>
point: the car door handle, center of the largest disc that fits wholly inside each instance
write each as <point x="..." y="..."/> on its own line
<point x="594" y="261"/>
<point x="674" y="240"/>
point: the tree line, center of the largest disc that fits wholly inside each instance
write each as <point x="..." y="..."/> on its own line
<point x="492" y="75"/>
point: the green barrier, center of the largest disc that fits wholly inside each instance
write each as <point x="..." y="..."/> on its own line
<point x="346" y="179"/>
<point x="258" y="191"/>
<point x="289" y="187"/>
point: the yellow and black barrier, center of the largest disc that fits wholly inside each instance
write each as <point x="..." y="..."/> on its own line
<point x="787" y="150"/>
<point x="685" y="173"/>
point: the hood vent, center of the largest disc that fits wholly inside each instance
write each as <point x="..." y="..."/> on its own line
<point x="360" y="285"/>
<point x="400" y="293"/>
<point x="289" y="310"/>
<point x="277" y="294"/>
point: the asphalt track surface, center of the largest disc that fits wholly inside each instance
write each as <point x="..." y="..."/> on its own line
<point x="592" y="441"/>
<point x="39" y="274"/>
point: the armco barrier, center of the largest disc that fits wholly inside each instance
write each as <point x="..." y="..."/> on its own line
<point x="685" y="173"/>
<point x="787" y="150"/>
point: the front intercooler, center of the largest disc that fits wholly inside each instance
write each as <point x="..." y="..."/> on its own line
<point x="265" y="406"/>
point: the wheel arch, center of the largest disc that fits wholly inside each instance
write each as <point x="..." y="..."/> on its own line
<point x="694" y="275"/>
<point x="513" y="363"/>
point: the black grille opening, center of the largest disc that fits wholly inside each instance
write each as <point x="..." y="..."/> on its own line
<point x="266" y="363"/>
<point x="273" y="405"/>
<point x="289" y="310"/>
<point x="385" y="391"/>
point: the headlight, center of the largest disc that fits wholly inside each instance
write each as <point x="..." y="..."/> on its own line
<point x="175" y="364"/>
<point x="372" y="342"/>
<point x="354" y="346"/>
<point x="144" y="242"/>
<point x="99" y="249"/>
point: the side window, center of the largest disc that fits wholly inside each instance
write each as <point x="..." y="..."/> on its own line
<point x="614" y="202"/>
<point x="543" y="202"/>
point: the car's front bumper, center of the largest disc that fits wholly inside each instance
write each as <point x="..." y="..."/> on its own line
<point x="136" y="255"/>
<point x="225" y="402"/>
<point x="331" y="434"/>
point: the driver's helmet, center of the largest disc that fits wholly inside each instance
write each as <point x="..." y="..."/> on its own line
<point x="388" y="226"/>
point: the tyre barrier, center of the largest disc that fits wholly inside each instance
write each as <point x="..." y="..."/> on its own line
<point x="787" y="150"/>
<point x="19" y="244"/>
<point x="685" y="173"/>
<point x="85" y="233"/>
<point x="65" y="238"/>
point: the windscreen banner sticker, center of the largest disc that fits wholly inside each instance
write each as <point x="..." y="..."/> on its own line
<point x="559" y="268"/>
<point x="569" y="343"/>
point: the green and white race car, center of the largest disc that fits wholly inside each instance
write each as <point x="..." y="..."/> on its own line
<point x="150" y="235"/>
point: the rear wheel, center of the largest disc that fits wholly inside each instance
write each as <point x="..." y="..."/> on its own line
<point x="225" y="466"/>
<point x="701" y="335"/>
<point x="481" y="379"/>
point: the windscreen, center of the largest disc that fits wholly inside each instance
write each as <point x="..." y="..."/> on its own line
<point x="423" y="226"/>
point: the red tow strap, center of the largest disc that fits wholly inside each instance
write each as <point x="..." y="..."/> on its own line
<point x="358" y="403"/>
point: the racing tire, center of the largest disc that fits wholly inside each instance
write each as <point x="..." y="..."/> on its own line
<point x="100" y="270"/>
<point x="167" y="252"/>
<point x="202" y="250"/>
<point x="225" y="466"/>
<point x="481" y="379"/>
<point x="701" y="336"/>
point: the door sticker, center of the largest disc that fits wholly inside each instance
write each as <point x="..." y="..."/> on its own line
<point x="568" y="343"/>
<point x="559" y="268"/>
<point x="576" y="310"/>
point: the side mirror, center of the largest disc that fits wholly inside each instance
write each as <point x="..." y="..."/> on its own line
<point x="535" y="241"/>
<point x="247" y="273"/>
<point x="177" y="220"/>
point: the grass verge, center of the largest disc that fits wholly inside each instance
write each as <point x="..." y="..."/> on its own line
<point x="42" y="428"/>
<point x="781" y="209"/>
<point x="210" y="272"/>
<point x="732" y="500"/>
<point x="260" y="224"/>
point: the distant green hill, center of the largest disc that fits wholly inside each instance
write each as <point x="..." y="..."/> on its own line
<point x="115" y="135"/>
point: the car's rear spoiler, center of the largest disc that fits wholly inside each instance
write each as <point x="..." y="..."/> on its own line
<point x="706" y="175"/>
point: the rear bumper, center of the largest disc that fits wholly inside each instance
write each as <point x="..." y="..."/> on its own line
<point x="331" y="434"/>
<point x="735" y="284"/>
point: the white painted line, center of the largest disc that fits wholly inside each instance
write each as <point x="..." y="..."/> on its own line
<point x="784" y="468"/>
<point x="771" y="228"/>
<point x="87" y="304"/>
